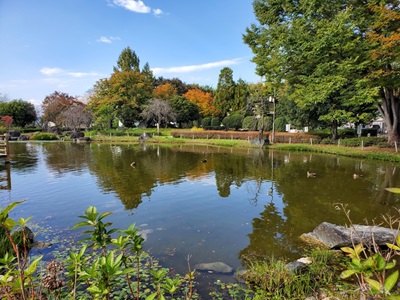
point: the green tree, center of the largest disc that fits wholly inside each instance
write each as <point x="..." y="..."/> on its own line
<point x="23" y="112"/>
<point x="127" y="61"/>
<point x="258" y="104"/>
<point x="225" y="93"/>
<point x="120" y="97"/>
<point x="185" y="110"/>
<point x="148" y="73"/>
<point x="241" y="94"/>
<point x="318" y="48"/>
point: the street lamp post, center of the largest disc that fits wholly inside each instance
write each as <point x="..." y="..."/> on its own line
<point x="273" y="100"/>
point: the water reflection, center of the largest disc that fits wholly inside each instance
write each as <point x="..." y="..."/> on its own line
<point x="24" y="156"/>
<point x="5" y="176"/>
<point x="215" y="203"/>
<point x="64" y="157"/>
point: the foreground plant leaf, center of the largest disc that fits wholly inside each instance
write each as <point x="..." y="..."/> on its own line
<point x="393" y="190"/>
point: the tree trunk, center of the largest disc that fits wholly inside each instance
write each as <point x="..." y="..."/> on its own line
<point x="390" y="110"/>
<point x="334" y="130"/>
<point x="261" y="129"/>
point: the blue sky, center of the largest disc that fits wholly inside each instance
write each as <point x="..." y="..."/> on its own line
<point x="67" y="45"/>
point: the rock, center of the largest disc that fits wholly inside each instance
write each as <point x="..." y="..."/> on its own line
<point x="83" y="139"/>
<point x="295" y="267"/>
<point x="335" y="236"/>
<point x="23" y="138"/>
<point x="76" y="135"/>
<point x="259" y="142"/>
<point x="217" y="267"/>
<point x="144" y="136"/>
<point x="14" y="135"/>
<point x="41" y="245"/>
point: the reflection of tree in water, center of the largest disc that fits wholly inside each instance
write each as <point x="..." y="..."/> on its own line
<point x="64" y="157"/>
<point x="154" y="165"/>
<point x="229" y="169"/>
<point x="24" y="156"/>
<point x="308" y="202"/>
<point x="311" y="201"/>
<point x="269" y="236"/>
<point x="390" y="177"/>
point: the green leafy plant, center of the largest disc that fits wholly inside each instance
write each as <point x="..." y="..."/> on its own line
<point x="19" y="276"/>
<point x="370" y="263"/>
<point x="104" y="267"/>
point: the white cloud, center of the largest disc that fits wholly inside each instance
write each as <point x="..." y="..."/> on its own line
<point x="132" y="5"/>
<point x="104" y="39"/>
<point x="157" y="11"/>
<point x="35" y="102"/>
<point x="51" y="71"/>
<point x="193" y="68"/>
<point x="107" y="40"/>
<point x="82" y="74"/>
<point x="59" y="71"/>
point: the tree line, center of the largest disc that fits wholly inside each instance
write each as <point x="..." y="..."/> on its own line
<point x="321" y="64"/>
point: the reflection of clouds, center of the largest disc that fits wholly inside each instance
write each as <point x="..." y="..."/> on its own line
<point x="205" y="180"/>
<point x="287" y="159"/>
<point x="116" y="150"/>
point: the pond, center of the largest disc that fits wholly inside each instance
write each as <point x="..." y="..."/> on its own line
<point x="213" y="203"/>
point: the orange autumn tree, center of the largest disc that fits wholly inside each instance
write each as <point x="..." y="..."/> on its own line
<point x="384" y="38"/>
<point x="54" y="105"/>
<point x="203" y="100"/>
<point x="165" y="91"/>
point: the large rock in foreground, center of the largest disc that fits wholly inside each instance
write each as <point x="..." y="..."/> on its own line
<point x="218" y="267"/>
<point x="334" y="236"/>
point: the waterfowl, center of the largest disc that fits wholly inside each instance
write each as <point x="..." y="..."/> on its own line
<point x="311" y="174"/>
<point x="133" y="164"/>
<point x="204" y="160"/>
<point x="356" y="176"/>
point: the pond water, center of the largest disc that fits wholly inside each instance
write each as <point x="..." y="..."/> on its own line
<point x="215" y="204"/>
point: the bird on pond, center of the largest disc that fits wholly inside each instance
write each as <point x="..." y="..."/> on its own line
<point x="356" y="176"/>
<point x="204" y="160"/>
<point x="311" y="174"/>
<point x="133" y="164"/>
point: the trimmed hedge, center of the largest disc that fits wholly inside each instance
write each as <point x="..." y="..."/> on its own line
<point x="44" y="136"/>
<point x="216" y="134"/>
<point x="364" y="141"/>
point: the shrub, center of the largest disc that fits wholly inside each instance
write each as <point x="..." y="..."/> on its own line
<point x="249" y="123"/>
<point x="206" y="122"/>
<point x="216" y="122"/>
<point x="44" y="136"/>
<point x="30" y="129"/>
<point x="365" y="141"/>
<point x="328" y="141"/>
<point x="369" y="132"/>
<point x="347" y="133"/>
<point x="232" y="121"/>
<point x="322" y="133"/>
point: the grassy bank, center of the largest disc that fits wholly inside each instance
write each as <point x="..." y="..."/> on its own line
<point x="372" y="152"/>
<point x="385" y="154"/>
